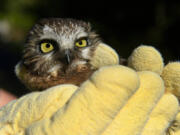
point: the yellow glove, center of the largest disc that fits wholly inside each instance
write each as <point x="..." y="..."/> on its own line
<point x="92" y="109"/>
<point x="147" y="58"/>
<point x="115" y="100"/>
<point x="171" y="77"/>
<point x="89" y="110"/>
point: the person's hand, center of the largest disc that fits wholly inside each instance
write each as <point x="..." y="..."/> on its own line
<point x="5" y="97"/>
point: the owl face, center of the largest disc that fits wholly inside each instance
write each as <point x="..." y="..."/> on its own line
<point x="57" y="51"/>
<point x="59" y="47"/>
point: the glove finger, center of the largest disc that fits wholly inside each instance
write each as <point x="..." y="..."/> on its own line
<point x="174" y="128"/>
<point x="162" y="116"/>
<point x="133" y="116"/>
<point x="104" y="55"/>
<point x="32" y="107"/>
<point x="171" y="77"/>
<point x="94" y="105"/>
<point x="146" y="58"/>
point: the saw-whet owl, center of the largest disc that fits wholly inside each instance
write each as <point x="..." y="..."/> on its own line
<point x="57" y="51"/>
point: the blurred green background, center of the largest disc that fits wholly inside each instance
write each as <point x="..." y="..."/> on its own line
<point x="123" y="25"/>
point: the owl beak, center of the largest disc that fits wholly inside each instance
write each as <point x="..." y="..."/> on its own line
<point x="67" y="55"/>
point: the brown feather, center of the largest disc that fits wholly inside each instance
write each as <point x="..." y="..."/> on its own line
<point x="37" y="82"/>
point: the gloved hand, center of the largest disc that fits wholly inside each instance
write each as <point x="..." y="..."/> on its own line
<point x="147" y="58"/>
<point x="115" y="100"/>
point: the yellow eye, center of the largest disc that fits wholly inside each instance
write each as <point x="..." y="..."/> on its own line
<point x="81" y="43"/>
<point x="46" y="47"/>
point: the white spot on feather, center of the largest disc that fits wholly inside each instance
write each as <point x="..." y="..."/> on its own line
<point x="54" y="68"/>
<point x="47" y="29"/>
<point x="17" y="68"/>
<point x="85" y="53"/>
<point x="77" y="63"/>
<point x="47" y="56"/>
<point x="48" y="33"/>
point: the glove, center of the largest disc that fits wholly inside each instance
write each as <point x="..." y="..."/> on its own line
<point x="147" y="58"/>
<point x="115" y="100"/>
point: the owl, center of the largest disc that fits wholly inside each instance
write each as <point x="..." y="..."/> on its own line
<point x="57" y="51"/>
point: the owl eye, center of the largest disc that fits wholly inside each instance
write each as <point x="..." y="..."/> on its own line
<point x="46" y="47"/>
<point x="81" y="43"/>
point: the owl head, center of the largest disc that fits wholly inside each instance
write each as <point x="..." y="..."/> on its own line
<point x="57" y="51"/>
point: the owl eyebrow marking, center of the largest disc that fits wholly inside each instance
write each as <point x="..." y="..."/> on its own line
<point x="82" y="34"/>
<point x="52" y="41"/>
<point x="85" y="37"/>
